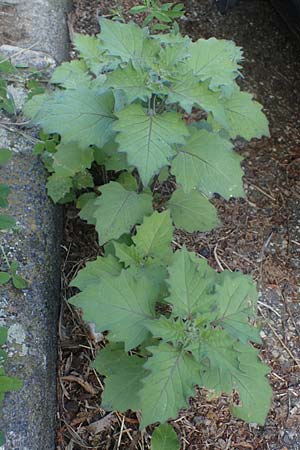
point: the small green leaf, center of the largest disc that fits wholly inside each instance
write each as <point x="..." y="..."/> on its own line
<point x="168" y="329"/>
<point x="192" y="212"/>
<point x="4" y="191"/>
<point x="3" y="336"/>
<point x="123" y="380"/>
<point x="164" y="437"/>
<point x="4" y="278"/>
<point x="58" y="187"/>
<point x="2" y="438"/>
<point x="147" y="139"/>
<point x="120" y="305"/>
<point x="127" y="254"/>
<point x="117" y="210"/>
<point x="5" y="155"/>
<point x="6" y="222"/>
<point x="71" y="75"/>
<point x="137" y="9"/>
<point x="91" y="51"/>
<point x="133" y="81"/>
<point x="70" y="159"/>
<point x="191" y="282"/>
<point x="237" y="301"/>
<point x="138" y="48"/>
<point x="128" y="181"/>
<point x="19" y="282"/>
<point x="153" y="238"/>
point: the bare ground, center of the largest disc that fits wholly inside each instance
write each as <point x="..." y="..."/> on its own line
<point x="260" y="236"/>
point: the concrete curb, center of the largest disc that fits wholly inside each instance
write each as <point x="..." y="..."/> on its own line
<point x="28" y="417"/>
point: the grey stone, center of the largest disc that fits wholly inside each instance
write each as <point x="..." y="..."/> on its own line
<point x="32" y="33"/>
<point x="36" y="24"/>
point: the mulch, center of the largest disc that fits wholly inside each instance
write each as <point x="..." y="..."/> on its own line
<point x="260" y="235"/>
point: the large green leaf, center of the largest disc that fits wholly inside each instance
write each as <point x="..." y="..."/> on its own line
<point x="192" y="211"/>
<point x="215" y="60"/>
<point x="94" y="271"/>
<point x="236" y="299"/>
<point x="83" y="116"/>
<point x="164" y="437"/>
<point x="235" y="366"/>
<point x="123" y="380"/>
<point x="147" y="138"/>
<point x="120" y="305"/>
<point x="133" y="81"/>
<point x="190" y="283"/>
<point x="117" y="210"/>
<point x="71" y="75"/>
<point x="154" y="236"/>
<point x="208" y="163"/>
<point x="128" y="42"/>
<point x="173" y="374"/>
<point x="244" y="116"/>
<point x="71" y="159"/>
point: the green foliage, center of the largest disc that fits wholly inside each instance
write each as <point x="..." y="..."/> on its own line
<point x="200" y="338"/>
<point x="159" y="16"/>
<point x="7" y="223"/>
<point x="123" y="111"/>
<point x="120" y="106"/>
<point x="164" y="438"/>
<point x="6" y="101"/>
<point x="7" y="383"/>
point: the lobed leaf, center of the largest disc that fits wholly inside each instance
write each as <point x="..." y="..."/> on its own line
<point x="215" y="60"/>
<point x="173" y="374"/>
<point x="207" y="163"/>
<point x="94" y="271"/>
<point x="71" y="159"/>
<point x="123" y="380"/>
<point x="82" y="115"/>
<point x="164" y="437"/>
<point x="147" y="138"/>
<point x="190" y="282"/>
<point x="120" y="305"/>
<point x="193" y="211"/>
<point x="117" y="210"/>
<point x="129" y="42"/>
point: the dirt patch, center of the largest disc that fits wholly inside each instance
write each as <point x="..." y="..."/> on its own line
<point x="260" y="235"/>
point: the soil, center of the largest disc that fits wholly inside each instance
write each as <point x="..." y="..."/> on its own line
<point x="260" y="235"/>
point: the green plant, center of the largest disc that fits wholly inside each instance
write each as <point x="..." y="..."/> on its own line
<point x="6" y="101"/>
<point x="7" y="222"/>
<point x="129" y="108"/>
<point x="159" y="16"/>
<point x="183" y="324"/>
<point x="6" y="383"/>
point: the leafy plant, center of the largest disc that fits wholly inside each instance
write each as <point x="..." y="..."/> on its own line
<point x="183" y="324"/>
<point x="128" y="110"/>
<point x="6" y="383"/>
<point x="6" y="101"/>
<point x="159" y="16"/>
<point x="122" y="106"/>
<point x="7" y="222"/>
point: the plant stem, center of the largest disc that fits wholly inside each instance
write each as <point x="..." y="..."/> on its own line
<point x="5" y="256"/>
